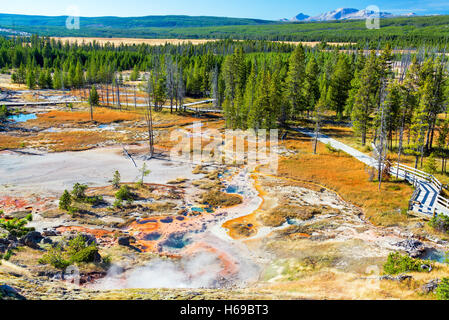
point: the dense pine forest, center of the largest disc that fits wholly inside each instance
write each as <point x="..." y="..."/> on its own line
<point x="397" y="96"/>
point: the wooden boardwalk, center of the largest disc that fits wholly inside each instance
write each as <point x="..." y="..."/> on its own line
<point x="426" y="199"/>
<point x="187" y="106"/>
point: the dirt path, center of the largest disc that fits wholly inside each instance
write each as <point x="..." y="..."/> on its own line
<point x="366" y="159"/>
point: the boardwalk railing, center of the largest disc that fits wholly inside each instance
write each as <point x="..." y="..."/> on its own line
<point x="415" y="176"/>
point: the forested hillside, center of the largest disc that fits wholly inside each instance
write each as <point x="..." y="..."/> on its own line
<point x="128" y="22"/>
<point x="400" y="32"/>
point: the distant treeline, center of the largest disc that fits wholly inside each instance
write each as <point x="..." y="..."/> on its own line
<point x="262" y="84"/>
<point x="402" y="32"/>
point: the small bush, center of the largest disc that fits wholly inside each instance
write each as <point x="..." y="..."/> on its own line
<point x="85" y="255"/>
<point x="430" y="166"/>
<point x="7" y="255"/>
<point x="397" y="263"/>
<point x="65" y="201"/>
<point x="78" y="191"/>
<point x="76" y="251"/>
<point x="16" y="227"/>
<point x="332" y="149"/>
<point x="440" y="223"/>
<point x="442" y="291"/>
<point x="94" y="200"/>
<point x="55" y="257"/>
<point x="124" y="194"/>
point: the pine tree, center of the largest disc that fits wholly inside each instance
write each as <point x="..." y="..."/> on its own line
<point x="319" y="109"/>
<point x="365" y="101"/>
<point x="311" y="85"/>
<point x="94" y="100"/>
<point x="135" y="74"/>
<point x="42" y="80"/>
<point x="234" y="74"/>
<point x="78" y="80"/>
<point x="276" y="93"/>
<point x="431" y="164"/>
<point x="65" y="201"/>
<point x="339" y="86"/>
<point x="116" y="180"/>
<point x="31" y="78"/>
<point x="249" y="98"/>
<point x="392" y="110"/>
<point x="419" y="125"/>
<point x="57" y="79"/>
<point x="295" y="81"/>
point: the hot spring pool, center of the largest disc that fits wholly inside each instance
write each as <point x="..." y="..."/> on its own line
<point x="22" y="117"/>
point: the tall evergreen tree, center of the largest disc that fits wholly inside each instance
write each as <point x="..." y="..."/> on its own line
<point x="339" y="85"/>
<point x="311" y="85"/>
<point x="295" y="81"/>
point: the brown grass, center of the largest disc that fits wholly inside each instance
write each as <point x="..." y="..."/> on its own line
<point x="279" y="215"/>
<point x="100" y="115"/>
<point x="61" y="141"/>
<point x="158" y="42"/>
<point x="217" y="198"/>
<point x="11" y="142"/>
<point x="131" y="41"/>
<point x="349" y="178"/>
<point x="74" y="141"/>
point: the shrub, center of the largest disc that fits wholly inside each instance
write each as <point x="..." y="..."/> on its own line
<point x="78" y="191"/>
<point x="79" y="251"/>
<point x="143" y="172"/>
<point x="430" y="166"/>
<point x="440" y="223"/>
<point x="76" y="244"/>
<point x="124" y="194"/>
<point x="16" y="227"/>
<point x="3" y="112"/>
<point x="55" y="257"/>
<point x="7" y="255"/>
<point x="94" y="98"/>
<point x="65" y="201"/>
<point x="397" y="263"/>
<point x="76" y="251"/>
<point x="79" y="194"/>
<point x="442" y="291"/>
<point x="85" y="255"/>
<point x="332" y="149"/>
<point x="94" y="200"/>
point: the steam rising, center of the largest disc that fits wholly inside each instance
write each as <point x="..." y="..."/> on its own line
<point x="203" y="269"/>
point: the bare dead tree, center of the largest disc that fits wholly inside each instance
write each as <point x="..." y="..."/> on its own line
<point x="381" y="148"/>
<point x="180" y="89"/>
<point x="318" y="119"/>
<point x="404" y="65"/>
<point x="170" y="83"/>
<point x="118" y="94"/>
<point x="214" y="82"/>
<point x="149" y="117"/>
<point x="135" y="98"/>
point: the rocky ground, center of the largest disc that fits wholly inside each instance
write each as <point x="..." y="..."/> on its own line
<point x="197" y="232"/>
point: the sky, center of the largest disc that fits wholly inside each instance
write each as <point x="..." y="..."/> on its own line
<point x="262" y="9"/>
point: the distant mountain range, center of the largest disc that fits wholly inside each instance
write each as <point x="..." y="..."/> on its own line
<point x="169" y="21"/>
<point x="344" y="14"/>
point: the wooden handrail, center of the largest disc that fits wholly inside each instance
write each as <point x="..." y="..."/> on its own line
<point x="441" y="204"/>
